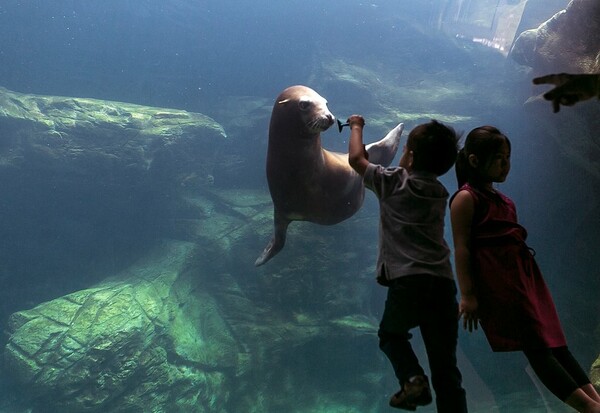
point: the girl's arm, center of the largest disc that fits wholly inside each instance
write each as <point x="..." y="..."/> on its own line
<point x="357" y="156"/>
<point x="461" y="216"/>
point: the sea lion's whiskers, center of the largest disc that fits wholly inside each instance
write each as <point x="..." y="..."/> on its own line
<point x="318" y="124"/>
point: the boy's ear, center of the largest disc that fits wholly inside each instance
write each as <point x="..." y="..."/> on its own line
<point x="473" y="161"/>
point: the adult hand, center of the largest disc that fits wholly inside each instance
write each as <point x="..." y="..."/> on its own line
<point x="467" y="309"/>
<point x="570" y="89"/>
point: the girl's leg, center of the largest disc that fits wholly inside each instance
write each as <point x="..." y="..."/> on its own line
<point x="565" y="381"/>
<point x="566" y="359"/>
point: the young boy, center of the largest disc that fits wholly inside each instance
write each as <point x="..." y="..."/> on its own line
<point x="414" y="263"/>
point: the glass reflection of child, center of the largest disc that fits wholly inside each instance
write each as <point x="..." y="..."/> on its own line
<point x="414" y="263"/>
<point x="501" y="285"/>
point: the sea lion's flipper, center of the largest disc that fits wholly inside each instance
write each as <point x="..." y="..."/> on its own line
<point x="384" y="151"/>
<point x="277" y="242"/>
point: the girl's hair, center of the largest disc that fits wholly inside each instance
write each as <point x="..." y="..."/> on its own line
<point x="483" y="142"/>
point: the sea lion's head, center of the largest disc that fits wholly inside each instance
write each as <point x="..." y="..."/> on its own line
<point x="303" y="106"/>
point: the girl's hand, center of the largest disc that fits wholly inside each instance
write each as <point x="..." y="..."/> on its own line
<point x="467" y="309"/>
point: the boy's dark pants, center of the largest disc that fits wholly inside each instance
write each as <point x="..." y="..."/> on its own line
<point x="428" y="302"/>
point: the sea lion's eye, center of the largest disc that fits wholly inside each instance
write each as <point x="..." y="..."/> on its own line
<point x="304" y="104"/>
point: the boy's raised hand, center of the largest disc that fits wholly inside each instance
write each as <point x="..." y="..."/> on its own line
<point x="356" y="120"/>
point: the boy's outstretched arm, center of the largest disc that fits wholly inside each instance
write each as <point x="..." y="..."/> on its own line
<point x="357" y="156"/>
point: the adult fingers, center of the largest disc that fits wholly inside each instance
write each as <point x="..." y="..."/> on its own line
<point x="555" y="79"/>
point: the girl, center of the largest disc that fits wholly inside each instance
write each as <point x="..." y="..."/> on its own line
<point x="501" y="285"/>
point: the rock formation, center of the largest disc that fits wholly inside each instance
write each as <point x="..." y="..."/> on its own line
<point x="568" y="42"/>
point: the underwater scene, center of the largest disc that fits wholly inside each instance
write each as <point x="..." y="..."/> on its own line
<point x="135" y="204"/>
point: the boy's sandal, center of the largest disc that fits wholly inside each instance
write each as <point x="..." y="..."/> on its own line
<point x="414" y="393"/>
<point x="401" y="401"/>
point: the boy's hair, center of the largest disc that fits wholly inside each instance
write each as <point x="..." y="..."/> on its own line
<point x="483" y="142"/>
<point x="434" y="146"/>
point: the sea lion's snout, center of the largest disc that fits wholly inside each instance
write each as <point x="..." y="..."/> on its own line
<point x="323" y="114"/>
<point x="324" y="122"/>
<point x="320" y="120"/>
<point x="331" y="119"/>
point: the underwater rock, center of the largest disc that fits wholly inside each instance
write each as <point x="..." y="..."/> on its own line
<point x="85" y="138"/>
<point x="124" y="345"/>
<point x="568" y="42"/>
<point x="595" y="373"/>
<point x="92" y="184"/>
<point x="191" y="328"/>
<point x="522" y="51"/>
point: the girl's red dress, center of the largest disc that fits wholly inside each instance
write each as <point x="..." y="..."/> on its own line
<point x="515" y="306"/>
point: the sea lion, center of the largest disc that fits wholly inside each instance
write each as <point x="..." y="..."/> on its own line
<point x="307" y="182"/>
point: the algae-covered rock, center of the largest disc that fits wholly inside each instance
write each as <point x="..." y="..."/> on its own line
<point x="595" y="373"/>
<point x="90" y="179"/>
<point x="193" y="326"/>
<point x="88" y="138"/>
<point x="124" y="345"/>
<point x="175" y="333"/>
